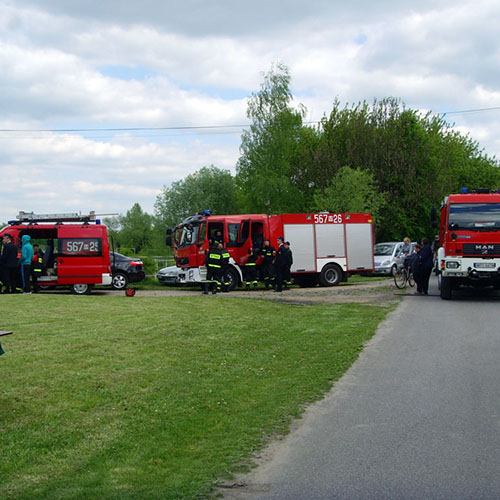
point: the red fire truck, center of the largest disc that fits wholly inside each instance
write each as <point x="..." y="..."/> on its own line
<point x="326" y="247"/>
<point x="76" y="248"/>
<point x="469" y="252"/>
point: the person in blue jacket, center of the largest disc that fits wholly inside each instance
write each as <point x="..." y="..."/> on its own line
<point x="425" y="266"/>
<point x="25" y="263"/>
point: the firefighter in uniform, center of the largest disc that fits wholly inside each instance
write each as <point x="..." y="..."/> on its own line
<point x="218" y="238"/>
<point x="225" y="266"/>
<point x="213" y="264"/>
<point x="287" y="277"/>
<point x="268" y="254"/>
<point x="36" y="266"/>
<point x="250" y="269"/>
<point x="280" y="264"/>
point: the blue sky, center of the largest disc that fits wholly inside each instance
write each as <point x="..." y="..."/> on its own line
<point x="151" y="64"/>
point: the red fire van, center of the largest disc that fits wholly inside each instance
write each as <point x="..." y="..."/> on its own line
<point x="76" y="248"/>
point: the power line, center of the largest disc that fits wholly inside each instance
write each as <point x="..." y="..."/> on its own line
<point x="126" y="129"/>
<point x="470" y="111"/>
<point x="193" y="127"/>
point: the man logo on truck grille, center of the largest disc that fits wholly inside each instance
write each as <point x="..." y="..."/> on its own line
<point x="485" y="249"/>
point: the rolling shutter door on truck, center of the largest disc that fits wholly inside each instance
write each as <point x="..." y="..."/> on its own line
<point x="359" y="246"/>
<point x="330" y="240"/>
<point x="301" y="238"/>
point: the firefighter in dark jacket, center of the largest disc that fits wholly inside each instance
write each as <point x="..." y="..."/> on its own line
<point x="250" y="269"/>
<point x="287" y="277"/>
<point x="280" y="264"/>
<point x="36" y="266"/>
<point x="268" y="255"/>
<point x="225" y="266"/>
<point x="213" y="263"/>
<point x="218" y="238"/>
<point x="9" y="265"/>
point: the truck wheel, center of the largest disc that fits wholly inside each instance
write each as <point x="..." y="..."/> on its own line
<point x="331" y="275"/>
<point x="81" y="289"/>
<point x="120" y="281"/>
<point x="446" y="288"/>
<point x="231" y="277"/>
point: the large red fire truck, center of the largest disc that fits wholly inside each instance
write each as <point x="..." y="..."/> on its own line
<point x="326" y="247"/>
<point x="469" y="252"/>
<point x="76" y="248"/>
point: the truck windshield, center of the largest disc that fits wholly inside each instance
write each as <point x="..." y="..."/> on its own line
<point x="188" y="235"/>
<point x="475" y="216"/>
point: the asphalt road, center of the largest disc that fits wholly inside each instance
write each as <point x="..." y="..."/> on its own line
<point x="416" y="417"/>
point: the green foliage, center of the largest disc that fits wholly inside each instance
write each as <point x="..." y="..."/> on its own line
<point x="414" y="160"/>
<point x="265" y="171"/>
<point x="136" y="228"/>
<point x="208" y="188"/>
<point x="350" y="190"/>
<point x="149" y="265"/>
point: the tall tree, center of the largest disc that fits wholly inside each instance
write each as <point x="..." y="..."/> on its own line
<point x="350" y="190"/>
<point x="414" y="159"/>
<point x="265" y="172"/>
<point x="208" y="188"/>
<point x="136" y="226"/>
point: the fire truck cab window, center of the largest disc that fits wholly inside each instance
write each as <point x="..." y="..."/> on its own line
<point x="257" y="234"/>
<point x="232" y="234"/>
<point x="202" y="232"/>
<point x="245" y="232"/>
<point x="188" y="235"/>
<point x="474" y="216"/>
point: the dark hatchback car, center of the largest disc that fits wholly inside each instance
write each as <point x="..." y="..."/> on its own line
<point x="126" y="270"/>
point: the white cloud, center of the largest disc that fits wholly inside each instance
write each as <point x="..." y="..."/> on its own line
<point x="84" y="65"/>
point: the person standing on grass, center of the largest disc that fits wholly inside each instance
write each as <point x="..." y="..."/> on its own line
<point x="9" y="264"/>
<point x="25" y="263"/>
<point x="287" y="277"/>
<point x="250" y="269"/>
<point x="224" y="275"/>
<point x="36" y="266"/>
<point x="425" y="262"/>
<point x="280" y="264"/>
<point x="268" y="254"/>
<point x="213" y="264"/>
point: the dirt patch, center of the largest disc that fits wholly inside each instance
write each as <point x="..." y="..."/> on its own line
<point x="373" y="293"/>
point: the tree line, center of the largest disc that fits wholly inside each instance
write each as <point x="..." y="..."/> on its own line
<point x="382" y="158"/>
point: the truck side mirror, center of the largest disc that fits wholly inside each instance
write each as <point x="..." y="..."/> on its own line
<point x="168" y="240"/>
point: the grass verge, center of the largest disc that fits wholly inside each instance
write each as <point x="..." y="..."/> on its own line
<point x="148" y="397"/>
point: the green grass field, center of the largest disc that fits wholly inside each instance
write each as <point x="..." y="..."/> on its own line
<point x="157" y="398"/>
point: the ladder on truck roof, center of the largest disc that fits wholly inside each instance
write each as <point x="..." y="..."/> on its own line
<point x="64" y="217"/>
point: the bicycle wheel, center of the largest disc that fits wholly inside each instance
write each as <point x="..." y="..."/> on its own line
<point x="411" y="281"/>
<point x="400" y="279"/>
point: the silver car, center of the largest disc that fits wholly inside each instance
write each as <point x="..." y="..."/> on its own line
<point x="387" y="256"/>
<point x="169" y="275"/>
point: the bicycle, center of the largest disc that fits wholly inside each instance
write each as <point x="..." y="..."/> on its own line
<point x="403" y="278"/>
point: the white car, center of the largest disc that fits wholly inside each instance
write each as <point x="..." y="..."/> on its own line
<point x="388" y="258"/>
